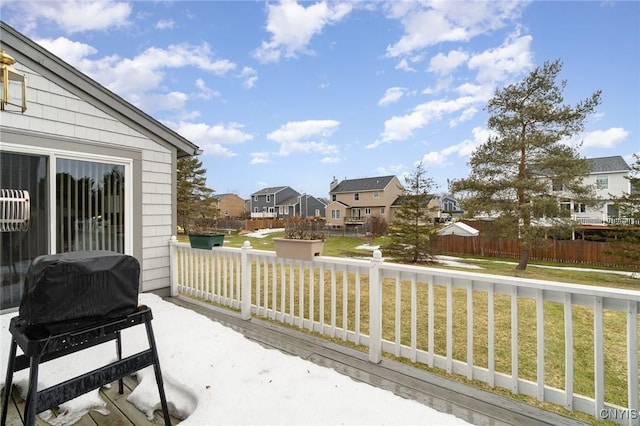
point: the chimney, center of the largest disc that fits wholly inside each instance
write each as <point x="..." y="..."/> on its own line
<point x="333" y="184"/>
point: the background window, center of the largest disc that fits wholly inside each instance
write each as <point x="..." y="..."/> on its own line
<point x="602" y="182"/>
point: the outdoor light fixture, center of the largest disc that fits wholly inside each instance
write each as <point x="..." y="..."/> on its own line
<point x="13" y="87"/>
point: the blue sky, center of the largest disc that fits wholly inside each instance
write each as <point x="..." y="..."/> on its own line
<point x="295" y="93"/>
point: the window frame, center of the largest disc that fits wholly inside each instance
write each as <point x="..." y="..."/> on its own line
<point x="52" y="156"/>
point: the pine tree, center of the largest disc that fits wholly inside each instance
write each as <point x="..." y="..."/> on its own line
<point x="413" y="228"/>
<point x="194" y="198"/>
<point x="516" y="173"/>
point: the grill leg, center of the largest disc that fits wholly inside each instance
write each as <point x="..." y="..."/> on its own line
<point x="156" y="369"/>
<point x="119" y="351"/>
<point x="8" y="382"/>
<point x="30" y="406"/>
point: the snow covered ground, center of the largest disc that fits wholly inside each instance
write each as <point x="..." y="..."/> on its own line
<point x="215" y="376"/>
<point x="261" y="233"/>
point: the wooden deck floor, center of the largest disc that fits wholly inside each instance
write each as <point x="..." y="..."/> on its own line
<point x="121" y="411"/>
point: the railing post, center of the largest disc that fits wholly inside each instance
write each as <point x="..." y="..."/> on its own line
<point x="245" y="270"/>
<point x="375" y="308"/>
<point x="173" y="265"/>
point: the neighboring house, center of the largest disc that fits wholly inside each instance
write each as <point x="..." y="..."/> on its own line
<point x="451" y="207"/>
<point x="459" y="228"/>
<point x="431" y="210"/>
<point x="608" y="175"/>
<point x="274" y="202"/>
<point x="229" y="205"/>
<point x="100" y="173"/>
<point x="353" y="201"/>
<point x="310" y="206"/>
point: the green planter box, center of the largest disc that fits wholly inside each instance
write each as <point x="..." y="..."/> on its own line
<point x="206" y="241"/>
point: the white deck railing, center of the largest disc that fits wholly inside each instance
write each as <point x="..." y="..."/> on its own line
<point x="460" y="322"/>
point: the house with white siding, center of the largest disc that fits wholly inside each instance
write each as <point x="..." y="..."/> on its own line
<point x="97" y="172"/>
<point x="609" y="176"/>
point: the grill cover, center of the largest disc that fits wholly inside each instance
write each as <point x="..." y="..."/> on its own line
<point x="85" y="285"/>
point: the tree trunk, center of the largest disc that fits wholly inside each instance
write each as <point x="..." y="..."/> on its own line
<point x="524" y="258"/>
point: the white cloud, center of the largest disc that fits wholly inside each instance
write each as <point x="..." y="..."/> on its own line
<point x="250" y="77"/>
<point x="393" y="169"/>
<point x="75" y="15"/>
<point x="164" y="102"/>
<point x="433" y="159"/>
<point x="292" y="26"/>
<point x="462" y="149"/>
<point x="213" y="138"/>
<point x="131" y="78"/>
<point x="444" y="64"/>
<point x="298" y="136"/>
<point x="205" y="92"/>
<point x="404" y="65"/>
<point x="164" y="24"/>
<point x="466" y="115"/>
<point x="603" y="138"/>
<point x="512" y="58"/>
<point x="330" y="160"/>
<point x="402" y="127"/>
<point x="71" y="51"/>
<point x="392" y="94"/>
<point x="260" y="158"/>
<point x="429" y="23"/>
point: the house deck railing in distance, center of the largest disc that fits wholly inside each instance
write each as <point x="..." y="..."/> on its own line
<point x="571" y="345"/>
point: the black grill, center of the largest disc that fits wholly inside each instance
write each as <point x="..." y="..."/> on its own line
<point x="80" y="287"/>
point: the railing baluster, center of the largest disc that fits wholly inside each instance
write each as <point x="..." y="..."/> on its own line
<point x="568" y="352"/>
<point x="598" y="355"/>
<point x="514" y="340"/>
<point x="491" y="336"/>
<point x="321" y="294"/>
<point x="345" y="305"/>
<point x="333" y="301"/>
<point x="431" y="322"/>
<point x="312" y="293"/>
<point x="301" y="296"/>
<point x="632" y="360"/>
<point x="357" y="309"/>
<point x="540" y="343"/>
<point x="449" y="313"/>
<point x="398" y="316"/>
<point x="470" y="329"/>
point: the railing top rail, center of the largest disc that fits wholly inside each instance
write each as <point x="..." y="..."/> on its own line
<point x="528" y="283"/>
<point x="517" y="282"/>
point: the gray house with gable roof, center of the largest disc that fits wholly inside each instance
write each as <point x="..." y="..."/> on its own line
<point x="274" y="202"/>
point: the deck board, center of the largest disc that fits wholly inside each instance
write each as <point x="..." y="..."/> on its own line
<point x="121" y="411"/>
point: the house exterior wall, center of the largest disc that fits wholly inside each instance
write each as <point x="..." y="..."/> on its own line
<point x="617" y="186"/>
<point x="56" y="119"/>
<point x="336" y="211"/>
<point x="230" y="205"/>
<point x="432" y="210"/>
<point x="312" y="207"/>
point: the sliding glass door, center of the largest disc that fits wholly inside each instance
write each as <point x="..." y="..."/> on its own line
<point x="55" y="203"/>
<point x="24" y="220"/>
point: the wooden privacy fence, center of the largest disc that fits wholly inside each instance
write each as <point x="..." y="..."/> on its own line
<point x="561" y="251"/>
<point x="571" y="345"/>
